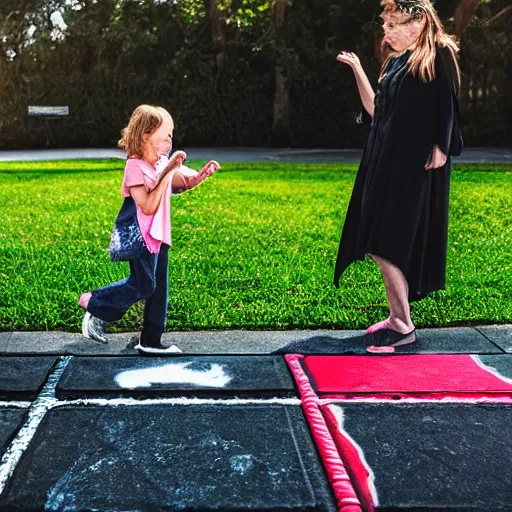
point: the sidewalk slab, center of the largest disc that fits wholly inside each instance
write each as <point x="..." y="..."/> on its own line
<point x="11" y="419"/>
<point x="210" y="376"/>
<point x="188" y="458"/>
<point x="500" y="335"/>
<point x="191" y="342"/>
<point x="21" y="378"/>
<point x="4" y="338"/>
<point x="456" y="340"/>
<point x="54" y="342"/>
<point x="435" y="457"/>
<point x="501" y="363"/>
<point x="450" y="340"/>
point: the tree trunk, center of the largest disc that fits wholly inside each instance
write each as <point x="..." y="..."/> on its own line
<point x="463" y="14"/>
<point x="217" y="31"/>
<point x="281" y="124"/>
<point x="281" y="132"/>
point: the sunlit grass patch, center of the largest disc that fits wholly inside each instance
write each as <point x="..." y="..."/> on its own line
<point x="253" y="247"/>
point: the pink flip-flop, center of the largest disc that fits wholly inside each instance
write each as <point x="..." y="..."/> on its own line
<point x="384" y="341"/>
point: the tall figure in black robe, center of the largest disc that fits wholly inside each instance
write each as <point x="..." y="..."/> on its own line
<point x="398" y="212"/>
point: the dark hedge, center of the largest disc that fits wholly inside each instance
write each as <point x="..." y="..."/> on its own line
<point x="217" y="75"/>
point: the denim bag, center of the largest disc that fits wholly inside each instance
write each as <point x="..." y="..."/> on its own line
<point x="126" y="241"/>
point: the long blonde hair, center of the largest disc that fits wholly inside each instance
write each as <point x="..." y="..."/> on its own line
<point x="422" y="58"/>
<point x="145" y="120"/>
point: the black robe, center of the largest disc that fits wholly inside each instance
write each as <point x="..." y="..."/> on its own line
<point x="398" y="209"/>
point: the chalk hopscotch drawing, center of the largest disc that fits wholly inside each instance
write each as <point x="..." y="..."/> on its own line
<point x="173" y="373"/>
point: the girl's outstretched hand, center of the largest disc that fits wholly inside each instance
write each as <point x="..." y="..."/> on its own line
<point x="185" y="178"/>
<point x="208" y="169"/>
<point x="349" y="58"/>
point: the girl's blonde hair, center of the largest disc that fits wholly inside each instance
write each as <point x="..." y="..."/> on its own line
<point x="145" y="120"/>
<point x="422" y="58"/>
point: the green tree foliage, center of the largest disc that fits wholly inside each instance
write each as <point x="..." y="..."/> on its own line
<point x="232" y="72"/>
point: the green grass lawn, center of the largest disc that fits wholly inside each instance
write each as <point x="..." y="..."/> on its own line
<point x="253" y="247"/>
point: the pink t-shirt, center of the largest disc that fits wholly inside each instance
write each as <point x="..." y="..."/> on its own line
<point x="156" y="228"/>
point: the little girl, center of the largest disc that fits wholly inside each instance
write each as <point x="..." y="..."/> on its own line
<point x="146" y="139"/>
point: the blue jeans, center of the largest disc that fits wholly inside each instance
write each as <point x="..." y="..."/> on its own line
<point x="148" y="280"/>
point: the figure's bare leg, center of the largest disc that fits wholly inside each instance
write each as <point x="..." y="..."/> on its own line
<point x="397" y="292"/>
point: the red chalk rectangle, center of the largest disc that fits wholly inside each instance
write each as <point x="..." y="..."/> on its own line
<point x="403" y="374"/>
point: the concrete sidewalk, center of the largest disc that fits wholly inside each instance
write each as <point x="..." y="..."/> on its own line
<point x="453" y="340"/>
<point x="233" y="424"/>
<point x="247" y="154"/>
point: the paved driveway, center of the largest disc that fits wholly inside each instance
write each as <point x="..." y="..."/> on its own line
<point x="243" y="154"/>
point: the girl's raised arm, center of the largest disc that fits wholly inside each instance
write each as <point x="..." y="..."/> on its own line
<point x="148" y="201"/>
<point x="185" y="178"/>
<point x="363" y="84"/>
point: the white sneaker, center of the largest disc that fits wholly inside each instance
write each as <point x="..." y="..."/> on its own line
<point x="94" y="328"/>
<point x="158" y="349"/>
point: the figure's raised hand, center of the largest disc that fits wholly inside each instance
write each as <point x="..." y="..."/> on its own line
<point x="177" y="158"/>
<point x="175" y="162"/>
<point x="209" y="168"/>
<point x="349" y="58"/>
<point x="191" y="178"/>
